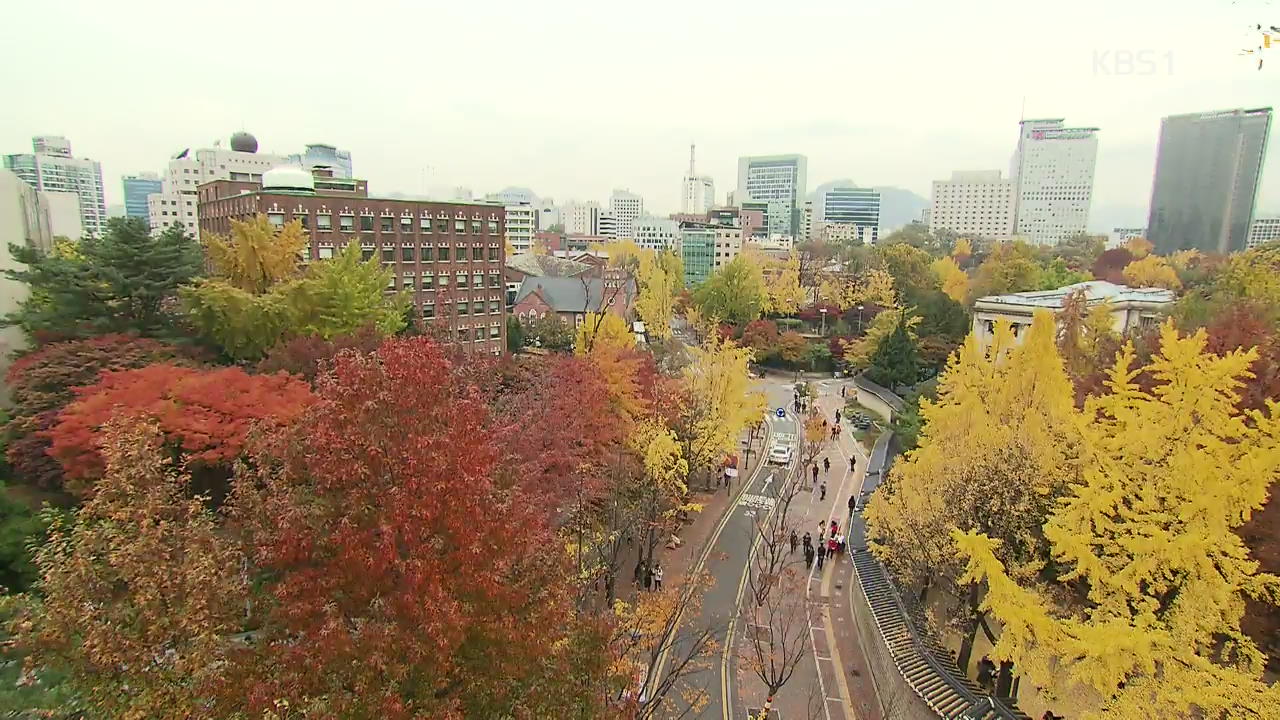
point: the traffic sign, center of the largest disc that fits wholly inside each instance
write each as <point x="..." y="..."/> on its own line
<point x="780" y="412"/>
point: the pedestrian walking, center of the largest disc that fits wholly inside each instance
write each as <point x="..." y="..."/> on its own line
<point x="815" y="472"/>
<point x="842" y="389"/>
<point x="853" y="503"/>
<point x="808" y="556"/>
<point x="840" y="543"/>
<point x="657" y="576"/>
<point x="837" y="417"/>
<point x="835" y="527"/>
<point x="832" y="546"/>
<point x="822" y="555"/>
<point x="638" y="578"/>
<point x="835" y="432"/>
<point x="794" y="541"/>
<point x="808" y="541"/>
<point x="853" y="463"/>
<point x="824" y="493"/>
<point x="826" y="465"/>
<point x="986" y="674"/>
<point x="822" y="538"/>
<point x="648" y="578"/>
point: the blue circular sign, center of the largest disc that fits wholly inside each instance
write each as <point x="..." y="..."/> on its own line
<point x="781" y="412"/>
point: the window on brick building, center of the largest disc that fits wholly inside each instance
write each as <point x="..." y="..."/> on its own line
<point x="442" y="226"/>
<point x="464" y="334"/>
<point x="462" y="281"/>
<point x="477" y="307"/>
<point x="462" y="308"/>
<point x="324" y="221"/>
<point x="346" y="223"/>
<point x="461" y="254"/>
<point x="386" y="225"/>
<point x="302" y="219"/>
<point x="494" y="281"/>
<point x="324" y="253"/>
<point x="388" y="254"/>
<point x="460" y="227"/>
<point x="493" y="227"/>
<point x="494" y="307"/>
<point x="406" y="254"/>
<point x="366" y="223"/>
<point x="442" y="253"/>
<point x="428" y="281"/>
<point x="479" y="333"/>
<point x="425" y="224"/>
<point x="366" y="254"/>
<point x="428" y="310"/>
<point x="493" y="253"/>
<point x="477" y="280"/>
<point x="408" y="283"/>
<point x="477" y="254"/>
<point x="276" y="219"/>
<point x="406" y="225"/>
<point x="475" y="227"/>
<point x="494" y="332"/>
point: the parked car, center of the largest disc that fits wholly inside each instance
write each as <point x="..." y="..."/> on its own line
<point x="780" y="455"/>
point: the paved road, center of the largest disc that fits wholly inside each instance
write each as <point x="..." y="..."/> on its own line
<point x="727" y="555"/>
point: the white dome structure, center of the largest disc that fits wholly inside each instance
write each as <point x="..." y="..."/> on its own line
<point x="289" y="178"/>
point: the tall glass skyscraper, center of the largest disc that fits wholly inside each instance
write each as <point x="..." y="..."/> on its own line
<point x="136" y="189"/>
<point x="1206" y="180"/>
<point x="856" y="206"/>
<point x="51" y="167"/>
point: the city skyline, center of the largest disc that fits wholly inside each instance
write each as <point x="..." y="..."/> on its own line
<point x="906" y="139"/>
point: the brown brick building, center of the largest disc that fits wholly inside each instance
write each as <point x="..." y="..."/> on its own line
<point x="449" y="256"/>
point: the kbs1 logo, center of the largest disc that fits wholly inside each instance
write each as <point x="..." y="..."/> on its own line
<point x="1132" y="62"/>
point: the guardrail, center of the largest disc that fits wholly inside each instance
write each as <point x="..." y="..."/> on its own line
<point x="926" y="666"/>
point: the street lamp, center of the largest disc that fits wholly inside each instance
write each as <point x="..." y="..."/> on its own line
<point x="859" y="319"/>
<point x="823" y="332"/>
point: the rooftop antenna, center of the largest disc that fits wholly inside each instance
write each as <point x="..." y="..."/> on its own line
<point x="1022" y="114"/>
<point x="691" y="159"/>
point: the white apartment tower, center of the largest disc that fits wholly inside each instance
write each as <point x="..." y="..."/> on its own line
<point x="975" y="203"/>
<point x="1052" y="170"/>
<point x="581" y="218"/>
<point x="697" y="192"/>
<point x="176" y="201"/>
<point x="625" y="207"/>
<point x="51" y="168"/>
<point x="779" y="181"/>
<point x="519" y="229"/>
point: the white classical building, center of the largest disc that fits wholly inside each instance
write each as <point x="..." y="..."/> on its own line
<point x="519" y="229"/>
<point x="1052" y="169"/>
<point x="1132" y="309"/>
<point x="973" y="203"/>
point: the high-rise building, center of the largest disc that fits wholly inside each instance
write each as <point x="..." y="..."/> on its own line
<point x="1264" y="230"/>
<point x="32" y="218"/>
<point x="697" y="192"/>
<point x="625" y="207"/>
<point x="520" y="223"/>
<point x="851" y="205"/>
<point x="974" y="203"/>
<point x="607" y="225"/>
<point x="581" y="218"/>
<point x="136" y="189"/>
<point x="447" y="256"/>
<point x="325" y="156"/>
<point x="1052" y="170"/>
<point x="780" y="182"/>
<point x="728" y="241"/>
<point x="176" y="201"/>
<point x="1208" y="168"/>
<point x="698" y="252"/>
<point x="51" y="167"/>
<point x="655" y="233"/>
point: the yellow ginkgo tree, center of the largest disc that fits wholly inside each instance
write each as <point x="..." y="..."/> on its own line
<point x="1143" y="618"/>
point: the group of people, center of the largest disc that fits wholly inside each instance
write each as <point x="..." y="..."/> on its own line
<point x="827" y="545"/>
<point x="650" y="577"/>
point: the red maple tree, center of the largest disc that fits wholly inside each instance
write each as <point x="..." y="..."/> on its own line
<point x="1110" y="265"/>
<point x="405" y="581"/>
<point x="309" y="355"/>
<point x="43" y="381"/>
<point x="205" y="415"/>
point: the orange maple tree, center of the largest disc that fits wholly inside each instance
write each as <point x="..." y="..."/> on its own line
<point x="205" y="415"/>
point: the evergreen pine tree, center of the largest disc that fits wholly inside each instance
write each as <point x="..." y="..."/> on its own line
<point x="896" y="360"/>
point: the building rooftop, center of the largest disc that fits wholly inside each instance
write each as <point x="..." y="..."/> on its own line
<point x="571" y="294"/>
<point x="1096" y="291"/>
<point x="546" y="265"/>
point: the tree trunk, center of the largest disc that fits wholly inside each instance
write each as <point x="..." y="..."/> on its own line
<point x="966" y="645"/>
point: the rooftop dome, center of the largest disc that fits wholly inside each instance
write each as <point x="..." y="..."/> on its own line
<point x="244" y="142"/>
<point x="288" y="177"/>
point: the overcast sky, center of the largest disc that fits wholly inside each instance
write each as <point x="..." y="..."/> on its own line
<point x="573" y="99"/>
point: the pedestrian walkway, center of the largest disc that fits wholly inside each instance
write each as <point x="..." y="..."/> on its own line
<point x="849" y="677"/>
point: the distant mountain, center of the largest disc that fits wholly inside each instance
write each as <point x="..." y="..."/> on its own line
<point x="898" y="207"/>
